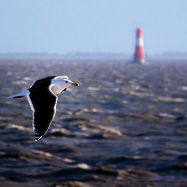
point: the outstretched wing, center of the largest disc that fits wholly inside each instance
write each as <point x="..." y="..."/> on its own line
<point x="43" y="105"/>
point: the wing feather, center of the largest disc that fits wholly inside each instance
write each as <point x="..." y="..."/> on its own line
<point x="43" y="104"/>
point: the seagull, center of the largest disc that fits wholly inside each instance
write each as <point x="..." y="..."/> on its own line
<point x="42" y="96"/>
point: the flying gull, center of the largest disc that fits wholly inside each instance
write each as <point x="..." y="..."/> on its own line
<point x="42" y="96"/>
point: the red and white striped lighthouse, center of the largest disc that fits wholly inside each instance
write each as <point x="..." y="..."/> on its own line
<point x="139" y="56"/>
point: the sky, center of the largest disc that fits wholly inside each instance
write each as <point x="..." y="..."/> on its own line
<point x="94" y="26"/>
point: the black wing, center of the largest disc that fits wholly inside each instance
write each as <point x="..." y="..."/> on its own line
<point x="43" y="104"/>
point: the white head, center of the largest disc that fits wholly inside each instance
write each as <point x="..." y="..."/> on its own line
<point x="60" y="83"/>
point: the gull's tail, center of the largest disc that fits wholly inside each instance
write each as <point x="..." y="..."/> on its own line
<point x="19" y="95"/>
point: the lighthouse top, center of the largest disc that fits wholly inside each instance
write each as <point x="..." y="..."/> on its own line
<point x="139" y="32"/>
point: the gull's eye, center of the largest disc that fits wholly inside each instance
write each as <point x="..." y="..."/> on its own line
<point x="66" y="81"/>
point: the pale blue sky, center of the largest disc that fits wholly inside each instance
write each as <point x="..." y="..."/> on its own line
<point x="92" y="25"/>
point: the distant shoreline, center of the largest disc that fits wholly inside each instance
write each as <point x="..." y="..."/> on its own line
<point x="86" y="55"/>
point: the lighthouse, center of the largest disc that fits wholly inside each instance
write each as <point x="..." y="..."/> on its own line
<point x="139" y="55"/>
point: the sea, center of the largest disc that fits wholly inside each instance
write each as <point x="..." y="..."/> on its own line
<point x="124" y="126"/>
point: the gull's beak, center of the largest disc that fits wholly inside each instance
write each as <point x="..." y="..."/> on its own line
<point x="75" y="84"/>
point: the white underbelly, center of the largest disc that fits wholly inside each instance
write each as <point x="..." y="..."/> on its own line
<point x="56" y="90"/>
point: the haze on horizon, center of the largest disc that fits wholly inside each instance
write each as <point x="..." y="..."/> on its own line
<point x="95" y="26"/>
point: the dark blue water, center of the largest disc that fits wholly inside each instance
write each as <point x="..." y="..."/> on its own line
<point x="126" y="125"/>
